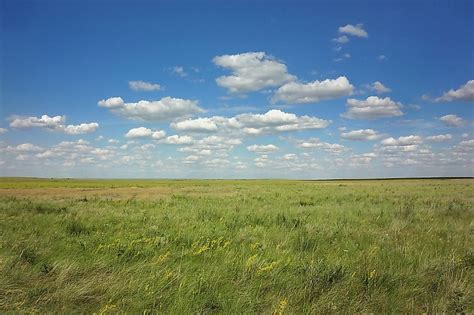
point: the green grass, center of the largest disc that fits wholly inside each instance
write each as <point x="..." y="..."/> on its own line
<point x="211" y="246"/>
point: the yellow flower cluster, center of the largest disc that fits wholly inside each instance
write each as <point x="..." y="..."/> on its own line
<point x="107" y="307"/>
<point x="199" y="247"/>
<point x="267" y="267"/>
<point x="253" y="264"/>
<point x="281" y="306"/>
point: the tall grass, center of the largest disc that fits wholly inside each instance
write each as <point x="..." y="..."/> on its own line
<point x="239" y="247"/>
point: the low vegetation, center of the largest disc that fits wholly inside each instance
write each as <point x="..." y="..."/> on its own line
<point x="146" y="246"/>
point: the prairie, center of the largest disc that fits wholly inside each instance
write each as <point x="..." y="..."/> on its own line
<point x="236" y="246"/>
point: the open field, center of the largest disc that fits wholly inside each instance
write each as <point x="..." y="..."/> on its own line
<point x="236" y="246"/>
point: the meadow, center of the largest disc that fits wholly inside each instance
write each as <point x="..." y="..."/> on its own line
<point x="236" y="246"/>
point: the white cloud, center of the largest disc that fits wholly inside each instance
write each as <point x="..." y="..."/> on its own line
<point x="160" y="134"/>
<point x="195" y="125"/>
<point x="34" y="122"/>
<point x="341" y="39"/>
<point x="143" y="132"/>
<point x="112" y="102"/>
<point x="252" y="124"/>
<point x="277" y="121"/>
<point x="356" y="30"/>
<point x="205" y="152"/>
<point x="191" y="159"/>
<point x="178" y="70"/>
<point x="343" y="57"/>
<point x="312" y="92"/>
<point x="402" y="141"/>
<point x="22" y="157"/>
<point x="452" y="120"/>
<point x="165" y="109"/>
<point x="220" y="144"/>
<point x="217" y="142"/>
<point x="143" y="86"/>
<point x="55" y="123"/>
<point x="289" y="157"/>
<point x="252" y="71"/>
<point x="46" y="154"/>
<point x="80" y="129"/>
<point x="28" y="147"/>
<point x="315" y="143"/>
<point x="372" y="108"/>
<point x="381" y="57"/>
<point x="467" y="144"/>
<point x="361" y="134"/>
<point x="360" y="160"/>
<point x="439" y="138"/>
<point x="3" y="130"/>
<point x="140" y="132"/>
<point x="262" y="148"/>
<point x="379" y="88"/>
<point x="463" y="93"/>
<point x="113" y="141"/>
<point x="22" y="148"/>
<point x="175" y="139"/>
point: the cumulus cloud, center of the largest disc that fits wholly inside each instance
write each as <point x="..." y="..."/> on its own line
<point x="315" y="143"/>
<point x="195" y="125"/>
<point x="71" y="153"/>
<point x="46" y="155"/>
<point x="112" y="102"/>
<point x="142" y="132"/>
<point x="27" y="147"/>
<point x="276" y="121"/>
<point x="179" y="71"/>
<point x="204" y="146"/>
<point x="175" y="139"/>
<point x="467" y="144"/>
<point x="354" y="30"/>
<point x="143" y="86"/>
<point x="463" y="93"/>
<point x="262" y="148"/>
<point x="113" y="141"/>
<point x="289" y="157"/>
<point x="379" y="88"/>
<point x="55" y="123"/>
<point x="402" y="141"/>
<point x="22" y="149"/>
<point x="191" y="159"/>
<point x="165" y="109"/>
<point x="80" y="129"/>
<point x="341" y="39"/>
<point x="452" y="120"/>
<point x="3" y="130"/>
<point x="252" y="124"/>
<point x="343" y="57"/>
<point x="37" y="122"/>
<point x="439" y="138"/>
<point x="361" y="135"/>
<point x="358" y="160"/>
<point x="252" y="71"/>
<point x="312" y="92"/>
<point x="372" y="108"/>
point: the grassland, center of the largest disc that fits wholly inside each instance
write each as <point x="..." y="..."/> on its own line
<point x="147" y="246"/>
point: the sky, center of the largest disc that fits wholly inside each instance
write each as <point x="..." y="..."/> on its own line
<point x="236" y="89"/>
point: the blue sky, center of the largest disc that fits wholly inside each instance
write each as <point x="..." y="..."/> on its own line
<point x="206" y="89"/>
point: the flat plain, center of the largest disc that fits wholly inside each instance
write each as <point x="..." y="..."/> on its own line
<point x="236" y="246"/>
